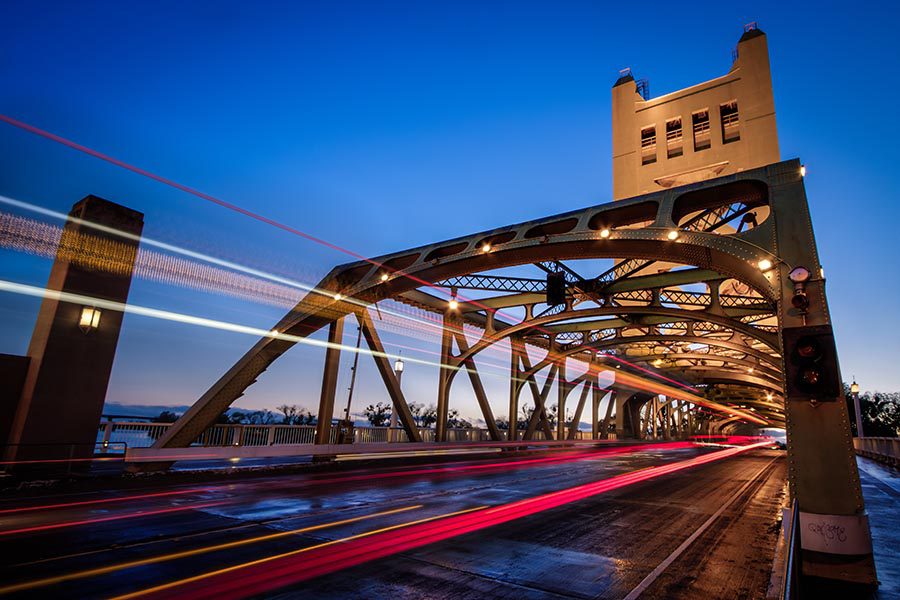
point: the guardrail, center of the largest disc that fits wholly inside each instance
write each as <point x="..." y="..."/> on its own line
<point x="142" y="435"/>
<point x="792" y="560"/>
<point x="882" y="449"/>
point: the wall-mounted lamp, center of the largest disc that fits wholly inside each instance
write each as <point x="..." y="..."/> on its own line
<point x="90" y="319"/>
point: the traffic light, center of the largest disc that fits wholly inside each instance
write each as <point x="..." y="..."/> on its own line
<point x="556" y="288"/>
<point x="810" y="358"/>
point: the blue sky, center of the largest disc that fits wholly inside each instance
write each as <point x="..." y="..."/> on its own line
<point x="389" y="125"/>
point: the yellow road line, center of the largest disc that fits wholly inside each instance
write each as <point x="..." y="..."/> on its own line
<point x="183" y="554"/>
<point x="179" y="582"/>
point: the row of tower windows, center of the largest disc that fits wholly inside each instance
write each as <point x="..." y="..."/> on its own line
<point x="730" y="128"/>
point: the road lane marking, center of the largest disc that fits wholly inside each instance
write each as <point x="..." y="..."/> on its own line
<point x="185" y="553"/>
<point x="655" y="573"/>
<point x="209" y="574"/>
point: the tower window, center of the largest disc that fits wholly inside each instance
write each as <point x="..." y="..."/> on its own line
<point x="731" y="124"/>
<point x="700" y="121"/>
<point x="648" y="145"/>
<point x="674" y="138"/>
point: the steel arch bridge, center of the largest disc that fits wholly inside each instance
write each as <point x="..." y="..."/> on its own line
<point x="736" y="238"/>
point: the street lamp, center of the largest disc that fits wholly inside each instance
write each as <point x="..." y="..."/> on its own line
<point x="90" y="318"/>
<point x="398" y="371"/>
<point x="398" y="368"/>
<point x="854" y="391"/>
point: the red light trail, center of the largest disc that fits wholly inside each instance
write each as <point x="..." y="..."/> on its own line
<point x="278" y="571"/>
<point x="98" y="501"/>
<point x="132" y="515"/>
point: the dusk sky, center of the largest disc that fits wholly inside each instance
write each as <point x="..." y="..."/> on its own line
<point x="382" y="126"/>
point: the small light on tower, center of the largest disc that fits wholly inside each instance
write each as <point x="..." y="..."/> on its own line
<point x="90" y="318"/>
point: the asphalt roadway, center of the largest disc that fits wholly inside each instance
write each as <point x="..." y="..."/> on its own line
<point x="667" y="521"/>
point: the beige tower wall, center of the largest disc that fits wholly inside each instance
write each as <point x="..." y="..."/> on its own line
<point x="749" y="83"/>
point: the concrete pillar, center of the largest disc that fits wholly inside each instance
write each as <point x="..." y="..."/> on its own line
<point x="58" y="411"/>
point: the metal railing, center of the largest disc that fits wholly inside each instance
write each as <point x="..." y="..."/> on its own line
<point x="132" y="434"/>
<point x="792" y="560"/>
<point x="882" y="449"/>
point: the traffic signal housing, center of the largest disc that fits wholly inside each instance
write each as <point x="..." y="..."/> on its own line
<point x="556" y="288"/>
<point x="811" y="367"/>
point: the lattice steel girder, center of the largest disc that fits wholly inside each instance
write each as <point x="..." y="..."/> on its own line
<point x="659" y="316"/>
<point x="663" y="280"/>
<point x="495" y="283"/>
<point x="667" y="296"/>
<point x="672" y="357"/>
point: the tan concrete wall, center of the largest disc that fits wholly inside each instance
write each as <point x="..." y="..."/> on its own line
<point x="749" y="82"/>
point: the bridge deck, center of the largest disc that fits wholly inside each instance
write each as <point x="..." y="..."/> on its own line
<point x="604" y="545"/>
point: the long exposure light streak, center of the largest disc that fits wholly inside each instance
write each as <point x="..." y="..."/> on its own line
<point x="166" y="315"/>
<point x="45" y="240"/>
<point x="261" y="561"/>
<point x="34" y="291"/>
<point x="67" y="505"/>
<point x="29" y="585"/>
<point x="132" y="515"/>
<point x="506" y="464"/>
<point x="290" y="568"/>
<point x="290" y="283"/>
<point x="209" y="198"/>
<point x="39" y="238"/>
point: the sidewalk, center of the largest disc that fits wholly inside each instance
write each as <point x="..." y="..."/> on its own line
<point x="881" y="491"/>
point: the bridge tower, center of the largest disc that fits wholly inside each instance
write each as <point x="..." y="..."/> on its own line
<point x="719" y="127"/>
<point x="71" y="353"/>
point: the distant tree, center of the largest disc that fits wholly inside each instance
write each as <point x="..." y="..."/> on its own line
<point x="454" y="421"/>
<point x="260" y="417"/>
<point x="502" y="423"/>
<point x="166" y="416"/>
<point x="880" y="413"/>
<point x="424" y="417"/>
<point x="234" y="417"/>
<point x="527" y="410"/>
<point x="428" y="416"/>
<point x="378" y="414"/>
<point x="295" y="416"/>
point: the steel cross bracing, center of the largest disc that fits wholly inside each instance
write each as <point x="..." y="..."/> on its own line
<point x="725" y="340"/>
<point x="546" y="243"/>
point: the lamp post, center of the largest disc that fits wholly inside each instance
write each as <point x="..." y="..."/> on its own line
<point x="854" y="391"/>
<point x="398" y="371"/>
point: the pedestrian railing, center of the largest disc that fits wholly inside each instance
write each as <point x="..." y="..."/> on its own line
<point x="792" y="561"/>
<point x="135" y="434"/>
<point x="882" y="449"/>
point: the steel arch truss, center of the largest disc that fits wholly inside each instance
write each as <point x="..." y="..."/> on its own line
<point x="715" y="348"/>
